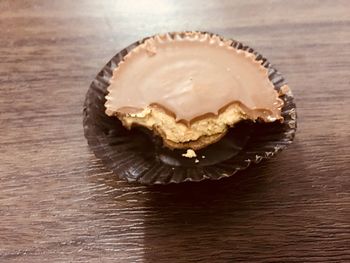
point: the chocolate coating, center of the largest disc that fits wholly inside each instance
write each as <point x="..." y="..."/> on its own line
<point x="191" y="76"/>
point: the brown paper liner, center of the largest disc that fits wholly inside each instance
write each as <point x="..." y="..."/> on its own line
<point x="138" y="156"/>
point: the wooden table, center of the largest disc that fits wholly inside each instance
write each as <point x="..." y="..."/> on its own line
<point x="59" y="204"/>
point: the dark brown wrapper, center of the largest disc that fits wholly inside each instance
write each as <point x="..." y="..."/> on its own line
<point x="137" y="155"/>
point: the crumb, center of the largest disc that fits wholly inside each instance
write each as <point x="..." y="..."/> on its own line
<point x="190" y="154"/>
<point x="284" y="90"/>
<point x="203" y="157"/>
<point x="196" y="161"/>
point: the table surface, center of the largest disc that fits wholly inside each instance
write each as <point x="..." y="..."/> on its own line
<point x="59" y="204"/>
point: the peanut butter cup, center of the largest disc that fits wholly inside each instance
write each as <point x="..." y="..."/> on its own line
<point x="189" y="88"/>
<point x="187" y="91"/>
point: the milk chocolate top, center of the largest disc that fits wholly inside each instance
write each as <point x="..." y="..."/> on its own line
<point x="191" y="75"/>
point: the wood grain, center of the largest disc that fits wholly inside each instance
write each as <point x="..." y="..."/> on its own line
<point x="59" y="204"/>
